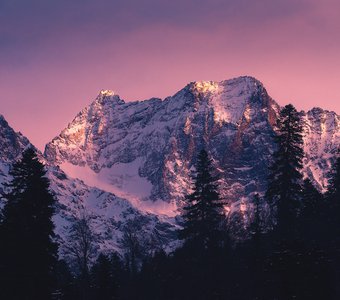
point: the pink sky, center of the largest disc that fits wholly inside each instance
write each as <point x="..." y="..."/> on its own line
<point x="54" y="58"/>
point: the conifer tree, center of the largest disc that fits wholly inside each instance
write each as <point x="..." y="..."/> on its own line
<point x="285" y="180"/>
<point x="289" y="259"/>
<point x="28" y="252"/>
<point x="203" y="213"/>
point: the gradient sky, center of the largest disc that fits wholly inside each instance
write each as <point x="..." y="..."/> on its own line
<point x="55" y="55"/>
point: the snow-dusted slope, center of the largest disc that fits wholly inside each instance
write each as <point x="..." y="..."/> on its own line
<point x="144" y="150"/>
<point x="108" y="214"/>
<point x="321" y="141"/>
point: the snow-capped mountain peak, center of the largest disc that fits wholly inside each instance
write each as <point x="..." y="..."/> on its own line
<point x="108" y="96"/>
<point x="121" y="160"/>
<point x="144" y="150"/>
<point x="107" y="92"/>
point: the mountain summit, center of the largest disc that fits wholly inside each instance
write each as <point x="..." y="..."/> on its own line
<point x="144" y="150"/>
<point x="131" y="161"/>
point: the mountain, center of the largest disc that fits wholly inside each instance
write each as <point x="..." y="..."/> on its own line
<point x="120" y="161"/>
<point x="144" y="150"/>
<point x="109" y="215"/>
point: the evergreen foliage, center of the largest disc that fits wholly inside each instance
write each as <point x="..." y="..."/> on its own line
<point x="285" y="180"/>
<point x="297" y="263"/>
<point x="299" y="259"/>
<point x="28" y="252"/>
<point x="203" y="214"/>
<point x="103" y="284"/>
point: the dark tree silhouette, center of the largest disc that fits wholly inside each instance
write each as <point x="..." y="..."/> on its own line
<point x="203" y="213"/>
<point x="103" y="285"/>
<point x="285" y="180"/>
<point x="80" y="246"/>
<point x="297" y="266"/>
<point x="28" y="252"/>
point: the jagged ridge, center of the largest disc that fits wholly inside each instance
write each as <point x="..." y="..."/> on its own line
<point x="144" y="151"/>
<point x="152" y="144"/>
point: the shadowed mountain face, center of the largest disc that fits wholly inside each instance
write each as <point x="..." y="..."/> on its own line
<point x="12" y="143"/>
<point x="145" y="150"/>
<point x="11" y="146"/>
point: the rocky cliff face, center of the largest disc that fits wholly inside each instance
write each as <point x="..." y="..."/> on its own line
<point x="145" y="150"/>
<point x="12" y="143"/>
<point x="321" y="141"/>
<point x="11" y="146"/>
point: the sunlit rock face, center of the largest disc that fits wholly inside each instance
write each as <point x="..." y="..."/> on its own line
<point x="321" y="142"/>
<point x="144" y="150"/>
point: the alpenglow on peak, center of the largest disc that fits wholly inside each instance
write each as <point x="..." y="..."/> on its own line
<point x="144" y="150"/>
<point x="107" y="93"/>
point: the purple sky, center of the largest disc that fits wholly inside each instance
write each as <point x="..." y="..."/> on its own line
<point x="55" y="55"/>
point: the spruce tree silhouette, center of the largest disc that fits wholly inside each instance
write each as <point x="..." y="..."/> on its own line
<point x="284" y="193"/>
<point x="203" y="213"/>
<point x="285" y="180"/>
<point x="28" y="252"/>
<point x="296" y="265"/>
